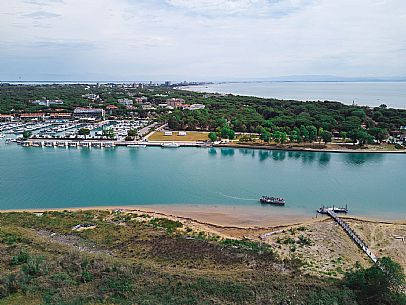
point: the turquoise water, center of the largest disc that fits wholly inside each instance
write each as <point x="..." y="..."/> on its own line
<point x="393" y="94"/>
<point x="371" y="184"/>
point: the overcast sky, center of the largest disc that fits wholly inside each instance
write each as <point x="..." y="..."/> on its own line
<point x="200" y="39"/>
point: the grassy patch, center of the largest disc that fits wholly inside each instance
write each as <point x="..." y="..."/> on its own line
<point x="169" y="225"/>
<point x="190" y="136"/>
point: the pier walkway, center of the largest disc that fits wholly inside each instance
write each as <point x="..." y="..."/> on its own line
<point x="353" y="235"/>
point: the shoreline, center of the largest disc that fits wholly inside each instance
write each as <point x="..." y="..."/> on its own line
<point x="215" y="216"/>
<point x="263" y="147"/>
<point x="307" y="149"/>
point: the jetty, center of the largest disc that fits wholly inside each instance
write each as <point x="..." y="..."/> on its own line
<point x="331" y="211"/>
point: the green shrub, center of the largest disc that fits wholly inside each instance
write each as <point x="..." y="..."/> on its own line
<point x="10" y="238"/>
<point x="303" y="240"/>
<point x="247" y="245"/>
<point x="34" y="266"/>
<point x="20" y="258"/>
<point x="167" y="224"/>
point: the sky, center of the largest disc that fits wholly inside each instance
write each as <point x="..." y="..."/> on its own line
<point x="200" y="40"/>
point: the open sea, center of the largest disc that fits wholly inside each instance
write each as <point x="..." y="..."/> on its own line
<point x="392" y="94"/>
<point x="371" y="184"/>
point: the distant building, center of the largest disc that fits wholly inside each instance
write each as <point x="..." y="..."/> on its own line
<point x="6" y="117"/>
<point x="89" y="113"/>
<point x="142" y="99"/>
<point x="60" y="116"/>
<point x="175" y="102"/>
<point x="147" y="106"/>
<point x="47" y="102"/>
<point x="125" y="101"/>
<point x="110" y="109"/>
<point x="37" y="116"/>
<point x="196" y="107"/>
<point x="91" y="96"/>
<point x="167" y="83"/>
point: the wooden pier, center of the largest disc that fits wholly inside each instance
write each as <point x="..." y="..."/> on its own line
<point x="364" y="247"/>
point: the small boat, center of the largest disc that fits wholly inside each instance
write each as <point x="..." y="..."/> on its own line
<point x="170" y="145"/>
<point x="136" y="145"/>
<point x="272" y="200"/>
<point x="1" y="135"/>
<point x="206" y="145"/>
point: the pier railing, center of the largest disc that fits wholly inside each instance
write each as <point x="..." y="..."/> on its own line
<point x="354" y="236"/>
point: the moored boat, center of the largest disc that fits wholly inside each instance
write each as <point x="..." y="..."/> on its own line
<point x="170" y="145"/>
<point x="272" y="200"/>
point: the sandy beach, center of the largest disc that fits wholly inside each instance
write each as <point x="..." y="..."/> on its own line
<point x="218" y="215"/>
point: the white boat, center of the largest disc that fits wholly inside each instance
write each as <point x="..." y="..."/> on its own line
<point x="170" y="145"/>
<point x="1" y="135"/>
<point x="136" y="145"/>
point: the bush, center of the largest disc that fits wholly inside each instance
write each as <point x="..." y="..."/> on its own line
<point x="383" y="287"/>
<point x="167" y="224"/>
<point x="303" y="240"/>
<point x="338" y="297"/>
<point x="34" y="266"/>
<point x="20" y="258"/>
<point x="247" y="245"/>
<point x="10" y="238"/>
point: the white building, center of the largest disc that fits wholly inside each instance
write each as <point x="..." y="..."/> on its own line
<point x="125" y="101"/>
<point x="196" y="107"/>
<point x="91" y="96"/>
<point x="47" y="102"/>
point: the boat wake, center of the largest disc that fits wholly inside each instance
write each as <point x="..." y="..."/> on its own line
<point x="237" y="198"/>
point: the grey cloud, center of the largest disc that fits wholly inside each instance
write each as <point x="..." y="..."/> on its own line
<point x="41" y="15"/>
<point x="43" y="2"/>
<point x="249" y="8"/>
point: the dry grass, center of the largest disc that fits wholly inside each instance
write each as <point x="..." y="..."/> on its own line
<point x="191" y="136"/>
<point x="330" y="253"/>
<point x="380" y="237"/>
<point x="131" y="257"/>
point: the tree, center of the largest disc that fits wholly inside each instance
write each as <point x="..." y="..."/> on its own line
<point x="326" y="136"/>
<point x="265" y="136"/>
<point x="343" y="135"/>
<point x="353" y="135"/>
<point x="284" y="137"/>
<point x="84" y="131"/>
<point x="295" y="135"/>
<point x="359" y="113"/>
<point x="312" y="133"/>
<point x="276" y="136"/>
<point x="379" y="134"/>
<point x="319" y="132"/>
<point x="377" y="286"/>
<point x="132" y="133"/>
<point x="231" y="134"/>
<point x="109" y="133"/>
<point x="227" y="133"/>
<point x="213" y="136"/>
<point x="304" y="133"/>
<point x="27" y="134"/>
<point x="269" y="124"/>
